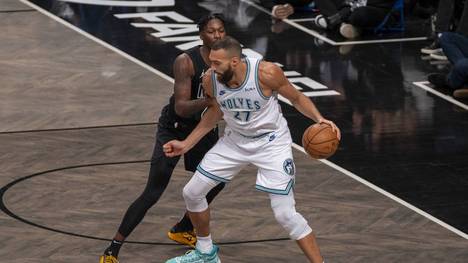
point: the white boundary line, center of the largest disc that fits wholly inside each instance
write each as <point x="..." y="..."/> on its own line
<point x="423" y="85"/>
<point x="302" y="19"/>
<point x="294" y="24"/>
<point x="123" y="3"/>
<point x="387" y="194"/>
<point x="408" y="39"/>
<point x="332" y="165"/>
<point x="84" y="33"/>
<point x="316" y="34"/>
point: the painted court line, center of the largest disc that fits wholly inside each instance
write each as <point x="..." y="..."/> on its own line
<point x="334" y="166"/>
<point x="302" y="20"/>
<point x="391" y="40"/>
<point x="316" y="34"/>
<point x="424" y="85"/>
<point x="97" y="40"/>
<point x="148" y="3"/>
<point x="387" y="194"/>
<point x="292" y="23"/>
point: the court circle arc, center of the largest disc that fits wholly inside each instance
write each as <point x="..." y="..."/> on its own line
<point x="6" y="210"/>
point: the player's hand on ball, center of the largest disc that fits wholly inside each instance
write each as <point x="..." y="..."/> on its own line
<point x="334" y="127"/>
<point x="174" y="148"/>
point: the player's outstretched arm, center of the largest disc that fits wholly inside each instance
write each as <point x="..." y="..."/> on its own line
<point x="212" y="115"/>
<point x="272" y="77"/>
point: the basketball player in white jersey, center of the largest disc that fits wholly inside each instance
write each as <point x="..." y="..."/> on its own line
<point x="244" y="92"/>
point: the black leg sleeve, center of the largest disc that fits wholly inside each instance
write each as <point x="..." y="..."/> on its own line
<point x="214" y="192"/>
<point x="160" y="173"/>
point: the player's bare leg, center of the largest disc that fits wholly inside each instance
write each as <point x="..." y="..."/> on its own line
<point x="310" y="248"/>
<point x="201" y="222"/>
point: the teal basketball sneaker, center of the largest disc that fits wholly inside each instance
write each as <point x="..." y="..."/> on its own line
<point x="195" y="256"/>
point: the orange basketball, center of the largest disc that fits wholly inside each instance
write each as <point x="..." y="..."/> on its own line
<point x="319" y="141"/>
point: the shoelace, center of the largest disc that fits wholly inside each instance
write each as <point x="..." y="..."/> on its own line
<point x="109" y="259"/>
<point x="188" y="236"/>
<point x="193" y="255"/>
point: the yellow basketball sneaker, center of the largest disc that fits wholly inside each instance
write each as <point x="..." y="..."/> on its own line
<point x="108" y="259"/>
<point x="184" y="237"/>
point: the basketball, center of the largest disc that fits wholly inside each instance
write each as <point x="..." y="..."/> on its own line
<point x="320" y="141"/>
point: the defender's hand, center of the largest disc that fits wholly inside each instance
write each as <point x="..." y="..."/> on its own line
<point x="174" y="148"/>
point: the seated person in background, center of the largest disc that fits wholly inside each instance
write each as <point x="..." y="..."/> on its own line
<point x="282" y="9"/>
<point x="422" y="8"/>
<point x="351" y="16"/>
<point x="444" y="22"/>
<point x="455" y="46"/>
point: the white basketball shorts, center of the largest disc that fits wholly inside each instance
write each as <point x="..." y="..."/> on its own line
<point x="270" y="153"/>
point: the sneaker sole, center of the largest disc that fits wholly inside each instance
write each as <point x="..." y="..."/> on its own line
<point x="349" y="32"/>
<point x="438" y="57"/>
<point x="318" y="24"/>
<point x="461" y="93"/>
<point x="439" y="62"/>
<point x="102" y="259"/>
<point x="430" y="51"/>
<point x="180" y="241"/>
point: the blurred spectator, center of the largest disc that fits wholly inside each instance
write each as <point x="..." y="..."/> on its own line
<point x="282" y="9"/>
<point x="455" y="46"/>
<point x="444" y="22"/>
<point x="422" y="8"/>
<point x="352" y="16"/>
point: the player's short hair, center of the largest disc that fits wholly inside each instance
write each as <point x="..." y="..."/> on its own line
<point x="229" y="44"/>
<point x="207" y="18"/>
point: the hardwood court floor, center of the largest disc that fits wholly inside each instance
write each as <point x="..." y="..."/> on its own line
<point x="53" y="78"/>
<point x="353" y="223"/>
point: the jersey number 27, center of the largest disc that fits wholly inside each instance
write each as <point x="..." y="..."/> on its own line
<point x="242" y="115"/>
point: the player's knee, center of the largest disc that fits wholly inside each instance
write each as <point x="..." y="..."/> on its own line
<point x="297" y="226"/>
<point x="194" y="194"/>
<point x="292" y="221"/>
<point x="191" y="193"/>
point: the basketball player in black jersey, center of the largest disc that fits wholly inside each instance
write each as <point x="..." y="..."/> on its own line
<point x="177" y="120"/>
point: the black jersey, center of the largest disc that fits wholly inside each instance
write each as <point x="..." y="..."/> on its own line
<point x="168" y="114"/>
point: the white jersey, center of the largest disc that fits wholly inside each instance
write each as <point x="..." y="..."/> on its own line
<point x="247" y="111"/>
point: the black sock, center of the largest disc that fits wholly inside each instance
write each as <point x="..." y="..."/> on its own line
<point x="184" y="225"/>
<point x="113" y="249"/>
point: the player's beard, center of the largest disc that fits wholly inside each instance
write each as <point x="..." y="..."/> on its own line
<point x="226" y="76"/>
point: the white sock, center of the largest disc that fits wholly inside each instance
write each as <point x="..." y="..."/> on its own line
<point x="204" y="244"/>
